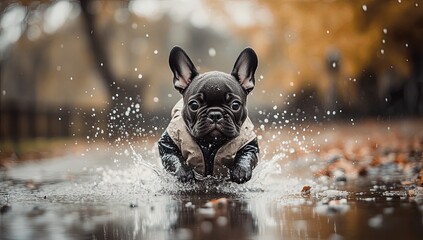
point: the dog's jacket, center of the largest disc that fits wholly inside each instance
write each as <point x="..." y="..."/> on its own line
<point x="193" y="154"/>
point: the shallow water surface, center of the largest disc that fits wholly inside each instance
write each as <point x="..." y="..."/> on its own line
<point x="101" y="195"/>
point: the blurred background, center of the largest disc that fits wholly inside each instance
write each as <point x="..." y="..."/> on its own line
<point x="99" y="69"/>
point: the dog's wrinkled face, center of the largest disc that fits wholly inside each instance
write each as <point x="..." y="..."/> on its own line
<point x="214" y="106"/>
<point x="214" y="102"/>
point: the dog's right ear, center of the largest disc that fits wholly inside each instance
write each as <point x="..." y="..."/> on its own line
<point x="182" y="67"/>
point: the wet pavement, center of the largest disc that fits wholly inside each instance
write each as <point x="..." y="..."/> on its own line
<point x="123" y="193"/>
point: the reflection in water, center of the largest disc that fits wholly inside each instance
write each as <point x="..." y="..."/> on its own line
<point x="260" y="216"/>
<point x="92" y="197"/>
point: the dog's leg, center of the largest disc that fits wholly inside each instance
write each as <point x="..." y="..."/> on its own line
<point x="172" y="159"/>
<point x="245" y="161"/>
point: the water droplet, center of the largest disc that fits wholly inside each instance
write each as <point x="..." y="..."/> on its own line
<point x="139" y="76"/>
<point x="101" y="64"/>
<point x="382" y="51"/>
<point x="385" y="31"/>
<point x="334" y="64"/>
<point x="364" y="8"/>
<point x="155" y="99"/>
<point x="156" y="52"/>
<point x="212" y="52"/>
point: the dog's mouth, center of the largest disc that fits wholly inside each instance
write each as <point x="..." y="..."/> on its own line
<point x="216" y="130"/>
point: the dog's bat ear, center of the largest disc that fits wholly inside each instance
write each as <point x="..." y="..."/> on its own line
<point x="182" y="67"/>
<point x="244" y="69"/>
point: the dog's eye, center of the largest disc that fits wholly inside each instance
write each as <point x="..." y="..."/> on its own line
<point x="235" y="105"/>
<point x="193" y="105"/>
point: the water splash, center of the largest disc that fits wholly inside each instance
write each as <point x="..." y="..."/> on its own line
<point x="148" y="178"/>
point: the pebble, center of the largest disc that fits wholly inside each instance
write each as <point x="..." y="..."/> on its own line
<point x="306" y="191"/>
<point x="206" y="212"/>
<point x="222" y="221"/>
<point x="341" y="179"/>
<point x="332" y="207"/>
<point x="206" y="227"/>
<point x="334" y="193"/>
<point x="208" y="205"/>
<point x="217" y="202"/>
<point x="376" y="221"/>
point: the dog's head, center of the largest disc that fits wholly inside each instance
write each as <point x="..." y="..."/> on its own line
<point x="214" y="102"/>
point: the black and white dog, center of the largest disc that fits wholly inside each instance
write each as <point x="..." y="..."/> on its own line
<point x="210" y="132"/>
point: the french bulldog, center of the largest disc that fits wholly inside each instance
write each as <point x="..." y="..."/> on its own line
<point x="210" y="133"/>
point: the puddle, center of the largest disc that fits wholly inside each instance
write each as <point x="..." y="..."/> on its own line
<point x="101" y="195"/>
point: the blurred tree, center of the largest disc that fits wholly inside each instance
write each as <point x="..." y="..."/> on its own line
<point x="294" y="38"/>
<point x="122" y="94"/>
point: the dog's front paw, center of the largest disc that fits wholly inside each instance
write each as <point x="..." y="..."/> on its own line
<point x="184" y="174"/>
<point x="240" y="174"/>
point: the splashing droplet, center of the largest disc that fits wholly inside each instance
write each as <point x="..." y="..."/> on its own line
<point x="212" y="52"/>
<point x="364" y="8"/>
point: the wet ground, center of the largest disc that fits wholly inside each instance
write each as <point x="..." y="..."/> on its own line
<point x="338" y="181"/>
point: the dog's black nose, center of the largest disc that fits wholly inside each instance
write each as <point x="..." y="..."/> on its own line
<point x="215" y="116"/>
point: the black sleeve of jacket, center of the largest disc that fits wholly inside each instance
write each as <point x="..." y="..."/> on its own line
<point x="169" y="152"/>
<point x="248" y="155"/>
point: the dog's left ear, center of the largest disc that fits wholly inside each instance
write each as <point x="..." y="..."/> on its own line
<point x="244" y="69"/>
<point x="182" y="67"/>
